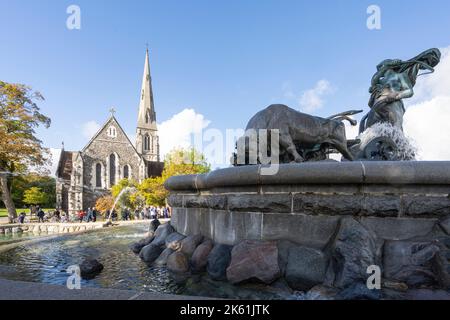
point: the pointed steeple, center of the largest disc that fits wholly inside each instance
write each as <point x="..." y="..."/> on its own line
<point x="146" y="115"/>
<point x="147" y="140"/>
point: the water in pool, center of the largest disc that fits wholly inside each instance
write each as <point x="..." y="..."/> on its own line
<point x="47" y="262"/>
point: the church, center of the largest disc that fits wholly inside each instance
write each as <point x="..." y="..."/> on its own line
<point x="84" y="176"/>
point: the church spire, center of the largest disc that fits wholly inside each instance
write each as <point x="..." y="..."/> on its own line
<point x="147" y="141"/>
<point x="146" y="115"/>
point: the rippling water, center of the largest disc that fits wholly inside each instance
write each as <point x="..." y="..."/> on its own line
<point x="47" y="261"/>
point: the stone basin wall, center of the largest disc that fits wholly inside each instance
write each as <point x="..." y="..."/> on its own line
<point x="395" y="215"/>
<point x="49" y="228"/>
<point x="395" y="200"/>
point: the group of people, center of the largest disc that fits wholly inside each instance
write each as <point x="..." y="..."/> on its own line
<point x="146" y="213"/>
<point x="87" y="216"/>
<point x="42" y="216"/>
<point x="91" y="214"/>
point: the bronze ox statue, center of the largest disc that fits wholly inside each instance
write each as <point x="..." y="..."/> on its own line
<point x="302" y="137"/>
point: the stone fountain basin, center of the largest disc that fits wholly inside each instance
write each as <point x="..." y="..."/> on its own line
<point x="305" y="202"/>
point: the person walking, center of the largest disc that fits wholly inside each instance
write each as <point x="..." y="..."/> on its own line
<point x="41" y="215"/>
<point x="21" y="218"/>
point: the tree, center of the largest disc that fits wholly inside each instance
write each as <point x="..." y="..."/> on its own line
<point x="178" y="162"/>
<point x="24" y="182"/>
<point x="104" y="203"/>
<point x="19" y="147"/>
<point x="123" y="191"/>
<point x="34" y="196"/>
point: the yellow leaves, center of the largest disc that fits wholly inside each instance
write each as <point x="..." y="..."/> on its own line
<point x="34" y="196"/>
<point x="104" y="203"/>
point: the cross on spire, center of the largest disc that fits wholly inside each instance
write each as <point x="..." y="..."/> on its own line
<point x="112" y="111"/>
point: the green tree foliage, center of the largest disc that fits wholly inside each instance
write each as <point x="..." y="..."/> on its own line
<point x="34" y="196"/>
<point x="23" y="182"/>
<point x="19" y="146"/>
<point x="178" y="162"/>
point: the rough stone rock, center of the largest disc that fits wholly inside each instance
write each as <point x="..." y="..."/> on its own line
<point x="137" y="246"/>
<point x="90" y="268"/>
<point x="322" y="204"/>
<point x="321" y="292"/>
<point x="178" y="262"/>
<point x="427" y="294"/>
<point x="359" y="291"/>
<point x="7" y="230"/>
<point x="254" y="260"/>
<point x="260" y="203"/>
<point x="199" y="258"/>
<point x="150" y="252"/>
<point x="162" y="233"/>
<point x="353" y="251"/>
<point x="415" y="263"/>
<point x="306" y="268"/>
<point x="154" y="224"/>
<point x="173" y="240"/>
<point x="218" y="261"/>
<point x="445" y="224"/>
<point x="423" y="205"/>
<point x="162" y="259"/>
<point x="283" y="254"/>
<point x="190" y="243"/>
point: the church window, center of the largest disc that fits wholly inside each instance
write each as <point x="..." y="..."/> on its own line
<point x="126" y="172"/>
<point x="98" y="175"/>
<point x="146" y="142"/>
<point x="112" y="170"/>
<point x="112" y="132"/>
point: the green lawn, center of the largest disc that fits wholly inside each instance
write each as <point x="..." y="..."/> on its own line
<point x="4" y="213"/>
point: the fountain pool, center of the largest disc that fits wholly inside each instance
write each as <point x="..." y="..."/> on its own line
<point x="47" y="262"/>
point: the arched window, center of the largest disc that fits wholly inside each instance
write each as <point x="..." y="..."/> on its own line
<point x="126" y="172"/>
<point x="112" y="132"/>
<point x="146" y="142"/>
<point x="112" y="170"/>
<point x="98" y="175"/>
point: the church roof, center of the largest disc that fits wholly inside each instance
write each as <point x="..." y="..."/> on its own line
<point x="64" y="169"/>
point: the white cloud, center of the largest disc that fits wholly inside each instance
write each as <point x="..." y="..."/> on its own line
<point x="427" y="118"/>
<point x="90" y="128"/>
<point x="178" y="130"/>
<point x="313" y="99"/>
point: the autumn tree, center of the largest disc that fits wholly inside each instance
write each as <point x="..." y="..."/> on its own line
<point x="20" y="148"/>
<point x="34" y="196"/>
<point x="104" y="203"/>
<point x="177" y="162"/>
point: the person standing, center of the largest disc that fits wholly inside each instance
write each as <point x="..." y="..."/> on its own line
<point x="41" y="215"/>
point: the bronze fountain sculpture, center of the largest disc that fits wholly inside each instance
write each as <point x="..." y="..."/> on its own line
<point x="304" y="137"/>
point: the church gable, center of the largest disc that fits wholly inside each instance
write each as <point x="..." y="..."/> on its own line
<point x="110" y="156"/>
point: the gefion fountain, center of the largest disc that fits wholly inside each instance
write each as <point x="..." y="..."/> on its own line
<point x="321" y="224"/>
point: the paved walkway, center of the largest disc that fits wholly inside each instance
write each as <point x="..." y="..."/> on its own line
<point x="18" y="290"/>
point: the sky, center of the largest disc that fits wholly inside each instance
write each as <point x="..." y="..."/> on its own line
<point x="214" y="64"/>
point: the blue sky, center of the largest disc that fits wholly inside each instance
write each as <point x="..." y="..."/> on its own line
<point x="224" y="59"/>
